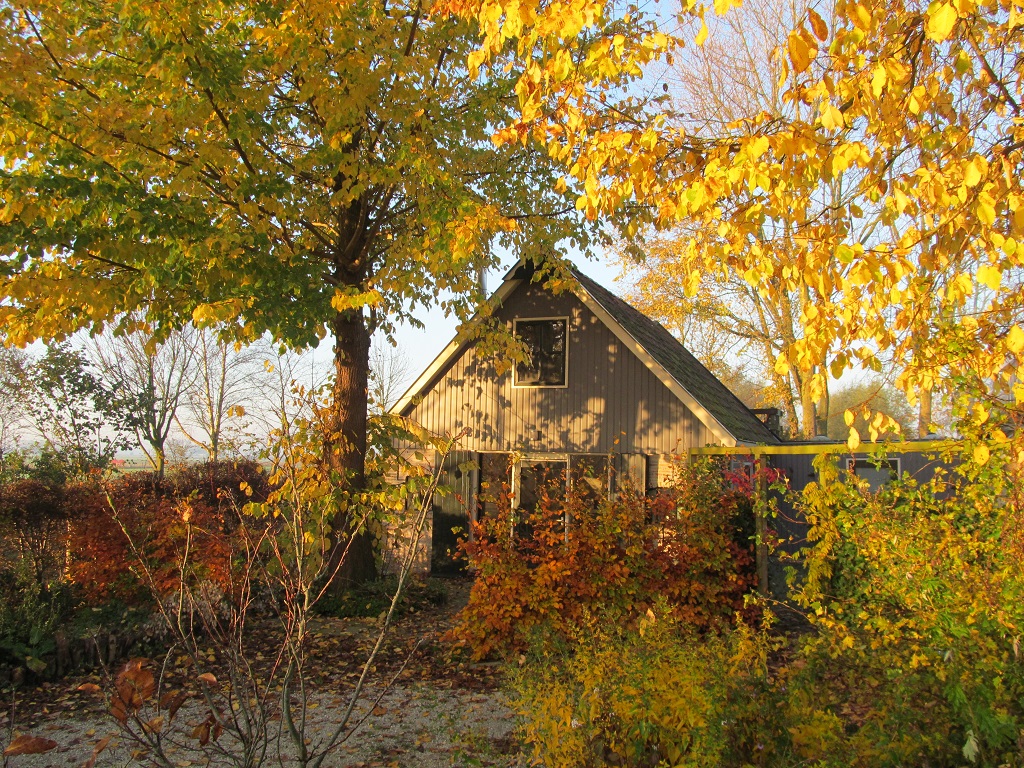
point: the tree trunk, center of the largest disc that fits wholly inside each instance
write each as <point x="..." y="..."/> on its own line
<point x="159" y="461"/>
<point x="822" y="409"/>
<point x="345" y="443"/>
<point x="808" y="413"/>
<point x="924" y="413"/>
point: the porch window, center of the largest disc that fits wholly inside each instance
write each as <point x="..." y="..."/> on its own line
<point x="545" y="341"/>
<point x="591" y="477"/>
<point x="540" y="479"/>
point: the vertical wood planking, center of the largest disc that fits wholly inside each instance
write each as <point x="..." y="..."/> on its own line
<point x="609" y="392"/>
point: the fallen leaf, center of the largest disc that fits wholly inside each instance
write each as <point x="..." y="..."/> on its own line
<point x="29" y="745"/>
<point x="100" y="746"/>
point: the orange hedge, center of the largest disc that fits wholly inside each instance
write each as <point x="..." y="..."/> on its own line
<point x="536" y="579"/>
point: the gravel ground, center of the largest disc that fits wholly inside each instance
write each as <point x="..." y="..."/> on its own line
<point x="417" y="724"/>
<point x="442" y="711"/>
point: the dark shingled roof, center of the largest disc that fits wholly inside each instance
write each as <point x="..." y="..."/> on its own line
<point x="682" y="366"/>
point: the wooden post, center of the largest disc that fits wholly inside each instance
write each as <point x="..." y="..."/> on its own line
<point x="761" y="526"/>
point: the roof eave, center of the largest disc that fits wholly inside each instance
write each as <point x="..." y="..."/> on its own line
<point x="449" y="353"/>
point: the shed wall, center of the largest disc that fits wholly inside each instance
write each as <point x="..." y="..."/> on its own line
<point x="612" y="403"/>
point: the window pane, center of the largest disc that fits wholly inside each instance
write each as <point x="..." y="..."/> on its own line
<point x="878" y="473"/>
<point x="494" y="474"/>
<point x="538" y="479"/>
<point x="545" y="341"/>
<point x="590" y="477"/>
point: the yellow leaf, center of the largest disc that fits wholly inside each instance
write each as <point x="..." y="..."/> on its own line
<point x="703" y="34"/>
<point x="981" y="454"/>
<point x="878" y="80"/>
<point x="990" y="276"/>
<point x="818" y="25"/>
<point x="831" y="117"/>
<point x="1015" y="340"/>
<point x="974" y="171"/>
<point x="853" y="441"/>
<point x="986" y="212"/>
<point x="941" y="20"/>
<point x="861" y="17"/>
<point x="800" y="53"/>
<point x="848" y="417"/>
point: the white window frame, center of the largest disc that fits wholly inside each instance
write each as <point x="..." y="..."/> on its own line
<point x="529" y="458"/>
<point x="515" y="368"/>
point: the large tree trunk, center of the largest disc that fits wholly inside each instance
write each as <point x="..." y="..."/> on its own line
<point x="345" y="443"/>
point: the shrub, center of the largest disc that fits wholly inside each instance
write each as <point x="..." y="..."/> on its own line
<point x="33" y="530"/>
<point x="572" y="564"/>
<point x="30" y="615"/>
<point x="650" y="695"/>
<point x="917" y="599"/>
<point x="153" y="511"/>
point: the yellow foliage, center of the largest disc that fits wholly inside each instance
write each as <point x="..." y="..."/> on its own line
<point x="919" y="146"/>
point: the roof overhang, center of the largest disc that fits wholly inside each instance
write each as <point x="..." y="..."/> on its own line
<point x="675" y="387"/>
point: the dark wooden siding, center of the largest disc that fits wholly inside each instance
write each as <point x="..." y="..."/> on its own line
<point x="790" y="525"/>
<point x="612" y="404"/>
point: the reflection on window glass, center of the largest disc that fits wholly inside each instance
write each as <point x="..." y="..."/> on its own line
<point x="494" y="475"/>
<point x="590" y="479"/>
<point x="545" y="342"/>
<point x="538" y="479"/>
<point x="878" y="472"/>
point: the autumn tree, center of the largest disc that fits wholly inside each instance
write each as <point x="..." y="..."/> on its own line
<point x="302" y="170"/>
<point x="917" y="105"/>
<point x="736" y="76"/>
<point x="73" y="412"/>
<point x="870" y="396"/>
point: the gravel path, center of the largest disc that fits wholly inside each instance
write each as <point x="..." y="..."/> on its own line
<point x="417" y="724"/>
<point x="441" y="712"/>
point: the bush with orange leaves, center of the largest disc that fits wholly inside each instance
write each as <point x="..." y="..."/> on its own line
<point x="154" y="512"/>
<point x="547" y="574"/>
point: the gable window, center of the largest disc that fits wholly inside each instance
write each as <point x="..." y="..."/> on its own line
<point x="545" y="341"/>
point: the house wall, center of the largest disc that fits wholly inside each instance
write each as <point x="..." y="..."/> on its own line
<point x="612" y="404"/>
<point x="798" y="468"/>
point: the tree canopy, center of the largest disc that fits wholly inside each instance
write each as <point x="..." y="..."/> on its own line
<point x="265" y="165"/>
<point x="297" y="169"/>
<point x="917" y="107"/>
